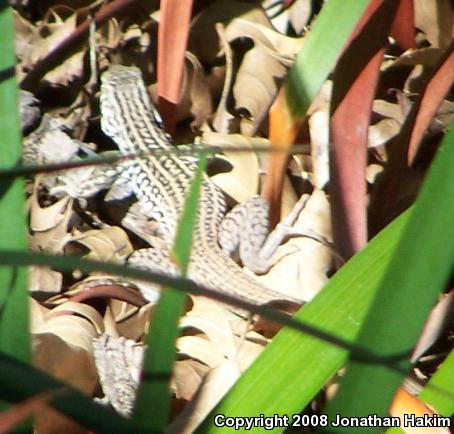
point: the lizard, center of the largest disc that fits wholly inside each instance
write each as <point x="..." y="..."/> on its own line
<point x="161" y="182"/>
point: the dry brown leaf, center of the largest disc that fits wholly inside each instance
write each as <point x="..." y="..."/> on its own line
<point x="222" y="338"/>
<point x="71" y="67"/>
<point x="70" y="364"/>
<point x="110" y="244"/>
<point x="131" y="322"/>
<point x="187" y="376"/>
<point x="224" y="345"/>
<point x="196" y="100"/>
<point x="112" y="35"/>
<point x="436" y="20"/>
<point x="62" y="348"/>
<point x="262" y="67"/>
<point x="44" y="280"/>
<point x="443" y="117"/>
<point x="383" y="131"/>
<point x="319" y="135"/>
<point x="26" y="39"/>
<point x="203" y="39"/>
<point x="424" y="60"/>
<point x="37" y="313"/>
<point x="427" y="56"/>
<point x="44" y="219"/>
<point x="133" y="32"/>
<point x="242" y="181"/>
<point x="49" y="225"/>
<point x="255" y="88"/>
<point x="214" y="386"/>
<point x="372" y="171"/>
<point x="41" y="145"/>
<point x="75" y="323"/>
<point x="389" y="110"/>
<point x="195" y="91"/>
<point x="281" y="47"/>
<point x="299" y="15"/>
<point x="201" y="349"/>
<point x="224" y="121"/>
<point x="440" y="317"/>
<point x="212" y="319"/>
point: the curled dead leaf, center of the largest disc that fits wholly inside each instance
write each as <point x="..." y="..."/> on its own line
<point x="242" y="182"/>
<point x="110" y="244"/>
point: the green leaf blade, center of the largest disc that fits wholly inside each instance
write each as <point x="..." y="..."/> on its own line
<point x="320" y="51"/>
<point x="420" y="267"/>
<point x="14" y="324"/>
<point x="153" y="402"/>
<point x="294" y="367"/>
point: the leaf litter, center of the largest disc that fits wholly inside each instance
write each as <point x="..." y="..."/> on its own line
<point x="61" y="120"/>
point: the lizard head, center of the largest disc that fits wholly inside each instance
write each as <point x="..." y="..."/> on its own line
<point x="126" y="109"/>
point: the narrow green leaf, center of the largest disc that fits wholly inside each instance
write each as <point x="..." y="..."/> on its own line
<point x="322" y="47"/>
<point x="421" y="265"/>
<point x="439" y="391"/>
<point x="13" y="280"/>
<point x="153" y="403"/>
<point x="185" y="232"/>
<point x="295" y="366"/>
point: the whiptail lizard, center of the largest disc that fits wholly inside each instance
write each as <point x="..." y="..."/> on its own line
<point x="161" y="183"/>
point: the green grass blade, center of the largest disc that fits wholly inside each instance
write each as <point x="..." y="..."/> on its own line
<point x="185" y="232"/>
<point x="295" y="366"/>
<point x="322" y="47"/>
<point x="420" y="267"/>
<point x="13" y="280"/>
<point x="442" y="381"/>
<point x="153" y="404"/>
<point x="439" y="391"/>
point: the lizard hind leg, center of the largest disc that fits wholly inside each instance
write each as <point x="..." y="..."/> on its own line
<point x="244" y="231"/>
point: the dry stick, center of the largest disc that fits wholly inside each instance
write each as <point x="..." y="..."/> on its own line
<point x="91" y="85"/>
<point x="34" y="169"/>
<point x="71" y="43"/>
